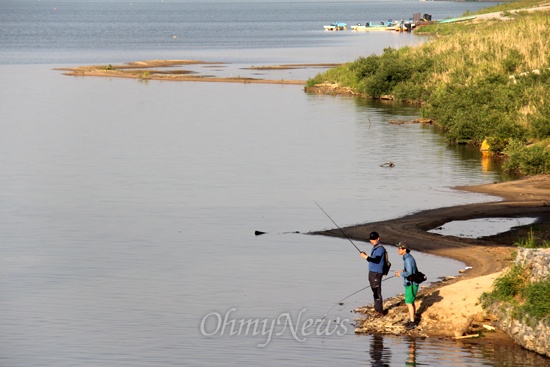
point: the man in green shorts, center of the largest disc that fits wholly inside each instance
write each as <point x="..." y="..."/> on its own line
<point x="411" y="288"/>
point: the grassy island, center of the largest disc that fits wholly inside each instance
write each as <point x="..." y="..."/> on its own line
<point x="485" y="81"/>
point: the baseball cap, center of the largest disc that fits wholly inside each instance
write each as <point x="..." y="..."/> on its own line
<point x="404" y="245"/>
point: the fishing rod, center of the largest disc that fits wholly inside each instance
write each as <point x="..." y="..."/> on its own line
<point x="345" y="235"/>
<point x="354" y="293"/>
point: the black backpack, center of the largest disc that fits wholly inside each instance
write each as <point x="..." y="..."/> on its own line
<point x="417" y="277"/>
<point x="387" y="264"/>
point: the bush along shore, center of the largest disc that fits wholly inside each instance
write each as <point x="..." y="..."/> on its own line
<point x="484" y="82"/>
<point x="520" y="300"/>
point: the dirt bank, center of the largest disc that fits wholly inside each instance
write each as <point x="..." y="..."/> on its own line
<point x="528" y="197"/>
<point x="451" y="308"/>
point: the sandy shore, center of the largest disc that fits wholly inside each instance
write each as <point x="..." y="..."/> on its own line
<point x="451" y="308"/>
<point x="528" y="197"/>
<point x="169" y="70"/>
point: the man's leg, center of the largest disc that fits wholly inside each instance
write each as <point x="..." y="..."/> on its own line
<point x="375" y="280"/>
<point x="410" y="297"/>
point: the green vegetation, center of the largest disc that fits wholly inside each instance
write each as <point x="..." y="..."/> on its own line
<point x="528" y="301"/>
<point x="513" y="5"/>
<point x="508" y="286"/>
<point x="537" y="300"/>
<point x="531" y="241"/>
<point x="145" y="75"/>
<point x="485" y="80"/>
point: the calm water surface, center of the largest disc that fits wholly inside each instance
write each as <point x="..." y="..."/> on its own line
<point x="129" y="209"/>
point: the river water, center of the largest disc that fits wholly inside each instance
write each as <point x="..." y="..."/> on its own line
<point x="129" y="208"/>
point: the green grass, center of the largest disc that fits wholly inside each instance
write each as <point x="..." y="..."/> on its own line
<point x="529" y="301"/>
<point x="531" y="241"/>
<point x="513" y="5"/>
<point x="526" y="300"/>
<point x="508" y="286"/>
<point x="474" y="82"/>
<point x="537" y="300"/>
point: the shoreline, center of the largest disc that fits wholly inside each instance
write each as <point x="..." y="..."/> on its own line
<point x="168" y="70"/>
<point x="450" y="308"/>
<point x="524" y="197"/>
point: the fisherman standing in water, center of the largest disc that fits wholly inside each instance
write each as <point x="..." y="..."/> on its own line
<point x="376" y="271"/>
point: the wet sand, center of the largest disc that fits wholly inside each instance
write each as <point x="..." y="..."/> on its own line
<point x="528" y="197"/>
<point x="168" y="70"/>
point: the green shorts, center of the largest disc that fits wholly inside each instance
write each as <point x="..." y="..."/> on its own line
<point x="410" y="293"/>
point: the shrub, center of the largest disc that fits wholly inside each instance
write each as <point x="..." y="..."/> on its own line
<point x="512" y="62"/>
<point x="523" y="160"/>
<point x="531" y="241"/>
<point x="509" y="285"/>
<point x="527" y="300"/>
<point x="470" y="113"/>
<point x="537" y="300"/>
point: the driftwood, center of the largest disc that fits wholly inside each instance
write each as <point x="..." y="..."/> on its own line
<point x="420" y="120"/>
<point x="490" y="328"/>
<point x="467" y="336"/>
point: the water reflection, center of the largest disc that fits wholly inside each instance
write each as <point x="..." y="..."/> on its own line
<point x="489" y="163"/>
<point x="509" y="354"/>
<point x="484" y="351"/>
<point x="470" y="156"/>
<point x="411" y="356"/>
<point x="379" y="355"/>
<point x="481" y="227"/>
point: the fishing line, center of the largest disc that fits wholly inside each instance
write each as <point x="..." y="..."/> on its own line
<point x="345" y="235"/>
<point x="354" y="293"/>
<point x="349" y="239"/>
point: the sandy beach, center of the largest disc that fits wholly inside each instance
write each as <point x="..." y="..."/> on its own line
<point x="170" y="70"/>
<point x="451" y="308"/>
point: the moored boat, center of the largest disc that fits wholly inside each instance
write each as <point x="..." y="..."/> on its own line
<point x="369" y="26"/>
<point x="336" y="27"/>
<point x="401" y="26"/>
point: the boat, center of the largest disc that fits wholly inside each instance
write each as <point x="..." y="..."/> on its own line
<point x="390" y="25"/>
<point x="336" y="27"/>
<point x="369" y="26"/>
<point x="401" y="26"/>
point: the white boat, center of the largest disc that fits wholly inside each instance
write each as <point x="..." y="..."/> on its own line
<point x="369" y="27"/>
<point x="401" y="26"/>
<point x="335" y="27"/>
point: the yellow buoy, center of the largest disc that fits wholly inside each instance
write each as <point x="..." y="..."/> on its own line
<point x="485" y="147"/>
